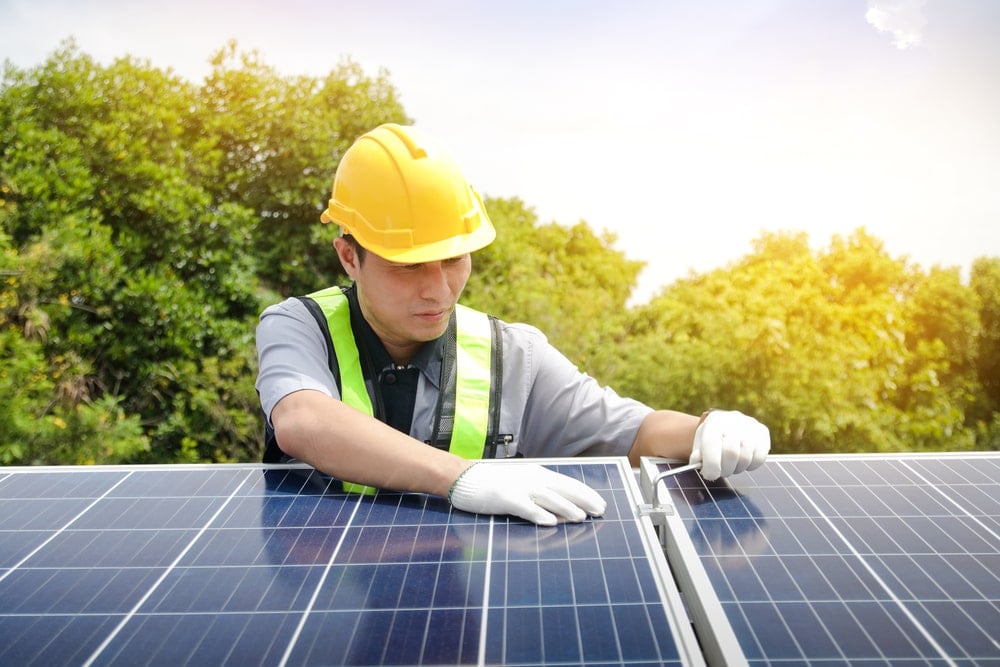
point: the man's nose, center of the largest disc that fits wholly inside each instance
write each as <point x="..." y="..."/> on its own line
<point x="434" y="281"/>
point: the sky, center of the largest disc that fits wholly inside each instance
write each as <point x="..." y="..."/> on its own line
<point x="687" y="129"/>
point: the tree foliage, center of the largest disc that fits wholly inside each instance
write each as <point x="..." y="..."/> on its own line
<point x="146" y="220"/>
<point x="985" y="411"/>
<point x="139" y="213"/>
<point x="847" y="349"/>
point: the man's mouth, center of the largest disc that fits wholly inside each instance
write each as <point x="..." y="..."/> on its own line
<point x="433" y="315"/>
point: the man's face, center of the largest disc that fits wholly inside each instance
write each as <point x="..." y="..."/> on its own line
<point x="408" y="304"/>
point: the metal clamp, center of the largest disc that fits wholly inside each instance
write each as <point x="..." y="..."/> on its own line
<point x="658" y="511"/>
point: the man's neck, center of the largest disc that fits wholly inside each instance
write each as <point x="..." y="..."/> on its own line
<point x="401" y="355"/>
<point x="381" y="347"/>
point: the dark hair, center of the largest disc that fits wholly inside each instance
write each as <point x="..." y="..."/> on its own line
<point x="359" y="250"/>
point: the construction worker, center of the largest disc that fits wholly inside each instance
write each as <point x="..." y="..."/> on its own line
<point x="391" y="383"/>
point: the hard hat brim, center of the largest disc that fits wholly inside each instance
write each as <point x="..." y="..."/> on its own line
<point x="440" y="250"/>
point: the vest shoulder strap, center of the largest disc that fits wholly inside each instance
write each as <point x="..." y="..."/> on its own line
<point x="342" y="348"/>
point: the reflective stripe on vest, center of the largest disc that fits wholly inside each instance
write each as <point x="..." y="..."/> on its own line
<point x="473" y="370"/>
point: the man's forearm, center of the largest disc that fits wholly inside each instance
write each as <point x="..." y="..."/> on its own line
<point x="340" y="441"/>
<point x="665" y="433"/>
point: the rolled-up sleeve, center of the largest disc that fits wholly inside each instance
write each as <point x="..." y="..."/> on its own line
<point x="291" y="355"/>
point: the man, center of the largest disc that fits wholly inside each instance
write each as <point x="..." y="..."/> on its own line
<point x="390" y="383"/>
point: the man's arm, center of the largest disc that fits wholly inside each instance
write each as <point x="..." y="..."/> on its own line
<point x="665" y="433"/>
<point x="340" y="441"/>
<point x="722" y="442"/>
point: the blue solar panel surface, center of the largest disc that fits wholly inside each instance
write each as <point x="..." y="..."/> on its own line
<point x="276" y="565"/>
<point x="890" y="560"/>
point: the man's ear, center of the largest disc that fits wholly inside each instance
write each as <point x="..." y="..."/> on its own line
<point x="348" y="257"/>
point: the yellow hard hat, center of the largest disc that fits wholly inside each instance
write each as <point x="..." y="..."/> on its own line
<point x="404" y="201"/>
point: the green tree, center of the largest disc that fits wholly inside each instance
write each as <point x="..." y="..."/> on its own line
<point x="140" y="213"/>
<point x="938" y="382"/>
<point x="51" y="411"/>
<point x="122" y="263"/>
<point x="844" y="350"/>
<point x="985" y="414"/>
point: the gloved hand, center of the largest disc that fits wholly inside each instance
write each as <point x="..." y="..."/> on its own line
<point x="527" y="490"/>
<point x="729" y="442"/>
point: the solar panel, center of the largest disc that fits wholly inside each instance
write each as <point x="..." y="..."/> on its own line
<point x="852" y="559"/>
<point x="275" y="564"/>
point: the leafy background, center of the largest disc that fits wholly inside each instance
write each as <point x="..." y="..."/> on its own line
<point x="145" y="221"/>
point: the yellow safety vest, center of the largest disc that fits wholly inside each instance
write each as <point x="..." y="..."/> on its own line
<point x="475" y="348"/>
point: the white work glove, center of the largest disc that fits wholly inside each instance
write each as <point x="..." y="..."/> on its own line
<point x="729" y="442"/>
<point x="527" y="490"/>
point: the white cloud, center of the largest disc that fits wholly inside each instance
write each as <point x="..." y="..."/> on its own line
<point x="904" y="19"/>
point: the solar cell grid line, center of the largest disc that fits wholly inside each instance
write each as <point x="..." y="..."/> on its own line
<point x="97" y="654"/>
<point x="312" y="601"/>
<point x="5" y="572"/>
<point x="850" y="559"/>
<point x="64" y="587"/>
<point x="265" y="564"/>
<point x="976" y="507"/>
